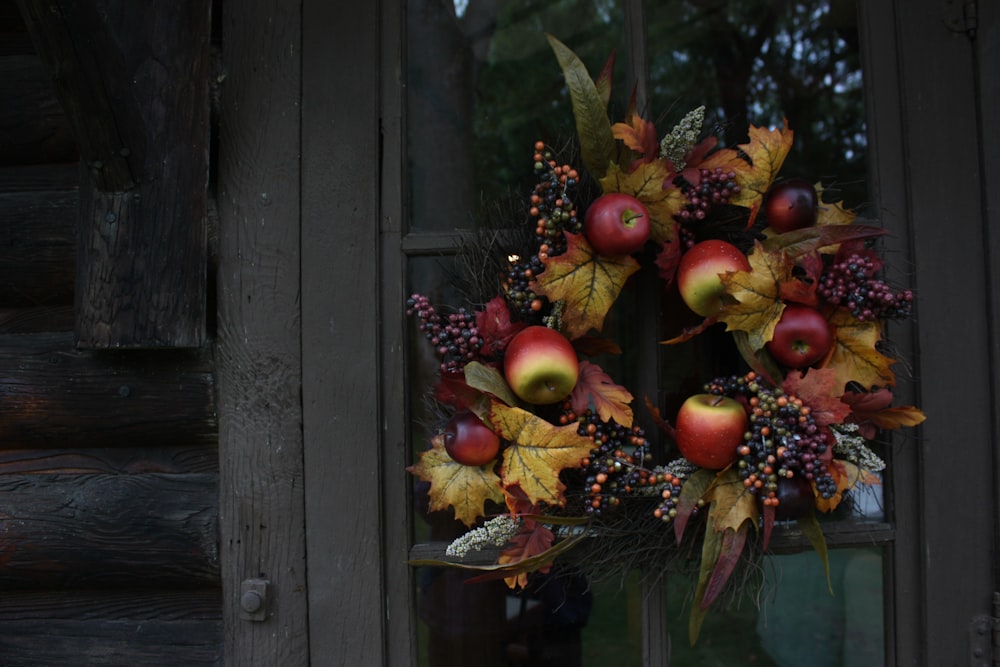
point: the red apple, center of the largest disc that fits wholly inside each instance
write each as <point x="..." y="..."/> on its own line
<point x="795" y="498"/>
<point x="710" y="429"/>
<point x="616" y="224"/>
<point x="469" y="441"/>
<point x="541" y="365"/>
<point x="791" y="204"/>
<point x="801" y="337"/>
<point x="699" y="271"/>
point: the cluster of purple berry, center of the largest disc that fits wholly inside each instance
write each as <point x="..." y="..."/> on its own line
<point x="714" y="188"/>
<point x="851" y="282"/>
<point x="455" y="337"/>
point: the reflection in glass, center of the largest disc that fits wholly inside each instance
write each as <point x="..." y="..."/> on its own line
<point x="795" y="619"/>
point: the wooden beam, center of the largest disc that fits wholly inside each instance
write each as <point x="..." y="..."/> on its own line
<point x="113" y="531"/>
<point x="259" y="347"/>
<point x="53" y="395"/>
<point x="137" y="627"/>
<point x="133" y="80"/>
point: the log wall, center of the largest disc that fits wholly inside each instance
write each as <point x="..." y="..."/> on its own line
<point x="109" y="547"/>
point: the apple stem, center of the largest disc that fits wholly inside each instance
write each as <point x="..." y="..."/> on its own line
<point x="718" y="399"/>
<point x="632" y="215"/>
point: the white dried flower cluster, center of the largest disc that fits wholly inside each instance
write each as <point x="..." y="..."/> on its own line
<point x="851" y="446"/>
<point x="494" y="533"/>
<point x="680" y="468"/>
<point x="685" y="134"/>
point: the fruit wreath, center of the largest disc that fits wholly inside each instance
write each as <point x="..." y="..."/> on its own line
<point x="538" y="453"/>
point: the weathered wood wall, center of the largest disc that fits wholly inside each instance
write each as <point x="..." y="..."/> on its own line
<point x="109" y="551"/>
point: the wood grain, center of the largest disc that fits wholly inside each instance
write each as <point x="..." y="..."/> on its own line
<point x="133" y="81"/>
<point x="259" y="347"/>
<point x="53" y="395"/>
<point x="108" y="531"/>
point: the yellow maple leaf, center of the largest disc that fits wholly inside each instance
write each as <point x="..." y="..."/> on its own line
<point x="832" y="213"/>
<point x="587" y="283"/>
<point x="756" y="306"/>
<point x="731" y="502"/>
<point x="537" y="452"/>
<point x="755" y="164"/>
<point x="464" y="488"/>
<point x="645" y="183"/>
<point x="855" y="357"/>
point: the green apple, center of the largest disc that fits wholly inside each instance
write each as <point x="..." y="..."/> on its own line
<point x="540" y="365"/>
<point x="699" y="274"/>
<point x="710" y="430"/>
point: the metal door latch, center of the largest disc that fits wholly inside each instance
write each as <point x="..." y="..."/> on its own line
<point x="253" y="599"/>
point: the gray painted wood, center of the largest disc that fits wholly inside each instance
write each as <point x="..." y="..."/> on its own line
<point x="259" y="339"/>
<point x="931" y="192"/>
<point x="340" y="315"/>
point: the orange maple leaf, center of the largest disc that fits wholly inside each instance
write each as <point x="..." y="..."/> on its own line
<point x="645" y="183"/>
<point x="755" y="164"/>
<point x="855" y="357"/>
<point x="639" y="135"/>
<point x="587" y="283"/>
<point x="537" y="452"/>
<point x="819" y="389"/>
<point x="756" y="304"/>
<point x="595" y="387"/>
<point x="531" y="540"/>
<point x="464" y="488"/>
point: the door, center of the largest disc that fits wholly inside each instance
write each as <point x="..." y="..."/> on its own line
<point x="926" y="570"/>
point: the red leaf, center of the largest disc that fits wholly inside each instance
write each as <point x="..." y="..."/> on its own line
<point x="872" y="410"/>
<point x="667" y="260"/>
<point x="733" y="542"/>
<point x="768" y="521"/>
<point x="533" y="539"/>
<point x="591" y="346"/>
<point x="495" y="327"/>
<point x="451" y="389"/>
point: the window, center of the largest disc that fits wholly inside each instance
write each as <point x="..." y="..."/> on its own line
<point x="482" y="86"/>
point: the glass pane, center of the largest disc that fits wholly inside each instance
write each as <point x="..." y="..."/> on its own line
<point x="483" y="86"/>
<point x="756" y="61"/>
<point x="795" y="619"/>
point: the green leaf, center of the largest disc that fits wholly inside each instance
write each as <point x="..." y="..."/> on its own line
<point x="711" y="547"/>
<point x="760" y="361"/>
<point x="810" y="527"/>
<point x="692" y="491"/>
<point x="490" y="380"/>
<point x="597" y="144"/>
